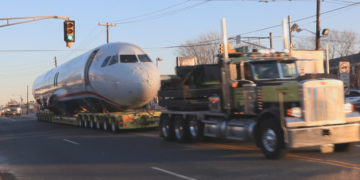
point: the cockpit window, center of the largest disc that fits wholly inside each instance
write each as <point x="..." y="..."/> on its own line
<point x="144" y="58"/>
<point x="114" y="60"/>
<point x="106" y="60"/>
<point x="128" y="59"/>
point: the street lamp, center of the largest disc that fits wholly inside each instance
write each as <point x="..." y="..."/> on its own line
<point x="157" y="60"/>
<point x="295" y="27"/>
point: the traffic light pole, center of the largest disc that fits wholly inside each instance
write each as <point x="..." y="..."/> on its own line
<point x="30" y="19"/>
<point x="107" y="30"/>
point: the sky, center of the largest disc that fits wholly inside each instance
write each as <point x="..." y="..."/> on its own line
<point x="154" y="25"/>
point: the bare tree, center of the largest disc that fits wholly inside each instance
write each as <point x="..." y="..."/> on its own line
<point x="204" y="48"/>
<point x="340" y="43"/>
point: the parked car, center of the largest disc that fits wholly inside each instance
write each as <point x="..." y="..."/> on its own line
<point x="354" y="98"/>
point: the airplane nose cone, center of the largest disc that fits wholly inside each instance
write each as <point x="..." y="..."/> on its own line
<point x="148" y="83"/>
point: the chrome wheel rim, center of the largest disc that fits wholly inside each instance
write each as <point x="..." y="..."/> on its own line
<point x="269" y="140"/>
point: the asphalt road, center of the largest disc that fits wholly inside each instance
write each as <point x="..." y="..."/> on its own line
<point x="37" y="150"/>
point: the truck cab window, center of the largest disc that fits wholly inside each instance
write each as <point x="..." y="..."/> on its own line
<point x="247" y="71"/>
<point x="128" y="59"/>
<point x="114" y="60"/>
<point x="106" y="60"/>
<point x="268" y="70"/>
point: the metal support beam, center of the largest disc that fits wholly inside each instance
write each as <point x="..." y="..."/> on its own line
<point x="30" y="19"/>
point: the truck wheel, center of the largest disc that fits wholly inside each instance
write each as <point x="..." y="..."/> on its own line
<point x="105" y="125"/>
<point x="271" y="140"/>
<point x="344" y="147"/>
<point x="181" y="128"/>
<point x="166" y="128"/>
<point x="196" y="129"/>
<point x="114" y="125"/>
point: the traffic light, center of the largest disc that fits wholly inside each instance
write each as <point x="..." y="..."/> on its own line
<point x="221" y="48"/>
<point x="69" y="32"/>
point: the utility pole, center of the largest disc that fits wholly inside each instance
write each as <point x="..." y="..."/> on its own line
<point x="55" y="61"/>
<point x="27" y="99"/>
<point x="317" y="43"/>
<point x="290" y="35"/>
<point x="271" y="40"/>
<point x="107" y="30"/>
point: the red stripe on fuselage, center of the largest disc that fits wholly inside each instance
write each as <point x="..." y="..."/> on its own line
<point x="87" y="93"/>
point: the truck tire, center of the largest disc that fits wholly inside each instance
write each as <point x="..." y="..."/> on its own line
<point x="196" y="129"/>
<point x="181" y="128"/>
<point x="271" y="139"/>
<point x="166" y="128"/>
<point x="106" y="125"/>
<point x="343" y="147"/>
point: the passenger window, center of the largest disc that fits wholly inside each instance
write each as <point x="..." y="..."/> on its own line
<point x="128" y="59"/>
<point x="144" y="58"/>
<point x="114" y="60"/>
<point x="106" y="60"/>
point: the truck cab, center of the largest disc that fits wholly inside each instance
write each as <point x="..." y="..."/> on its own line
<point x="262" y="97"/>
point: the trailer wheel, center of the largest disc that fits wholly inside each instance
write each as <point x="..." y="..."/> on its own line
<point x="181" y="128"/>
<point x="98" y="125"/>
<point x="81" y="124"/>
<point x="105" y="124"/>
<point x="344" y="147"/>
<point x="92" y="123"/>
<point x="166" y="128"/>
<point x="114" y="125"/>
<point x="272" y="140"/>
<point x="196" y="129"/>
<point x="86" y="122"/>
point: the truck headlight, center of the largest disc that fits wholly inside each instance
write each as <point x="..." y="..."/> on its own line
<point x="294" y="112"/>
<point x="348" y="108"/>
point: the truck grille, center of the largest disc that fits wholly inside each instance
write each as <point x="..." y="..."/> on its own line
<point x="323" y="100"/>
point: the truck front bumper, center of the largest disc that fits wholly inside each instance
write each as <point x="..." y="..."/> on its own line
<point x="315" y="136"/>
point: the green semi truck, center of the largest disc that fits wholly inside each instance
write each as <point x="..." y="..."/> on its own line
<point x="259" y="97"/>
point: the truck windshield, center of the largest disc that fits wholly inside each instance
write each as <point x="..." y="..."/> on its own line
<point x="274" y="70"/>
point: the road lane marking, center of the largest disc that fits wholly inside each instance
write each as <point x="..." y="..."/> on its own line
<point x="289" y="155"/>
<point x="172" y="173"/>
<point x="72" y="142"/>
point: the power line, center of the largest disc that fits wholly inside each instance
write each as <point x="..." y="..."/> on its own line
<point x="154" y="12"/>
<point x="302" y="19"/>
<point x="164" y="14"/>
